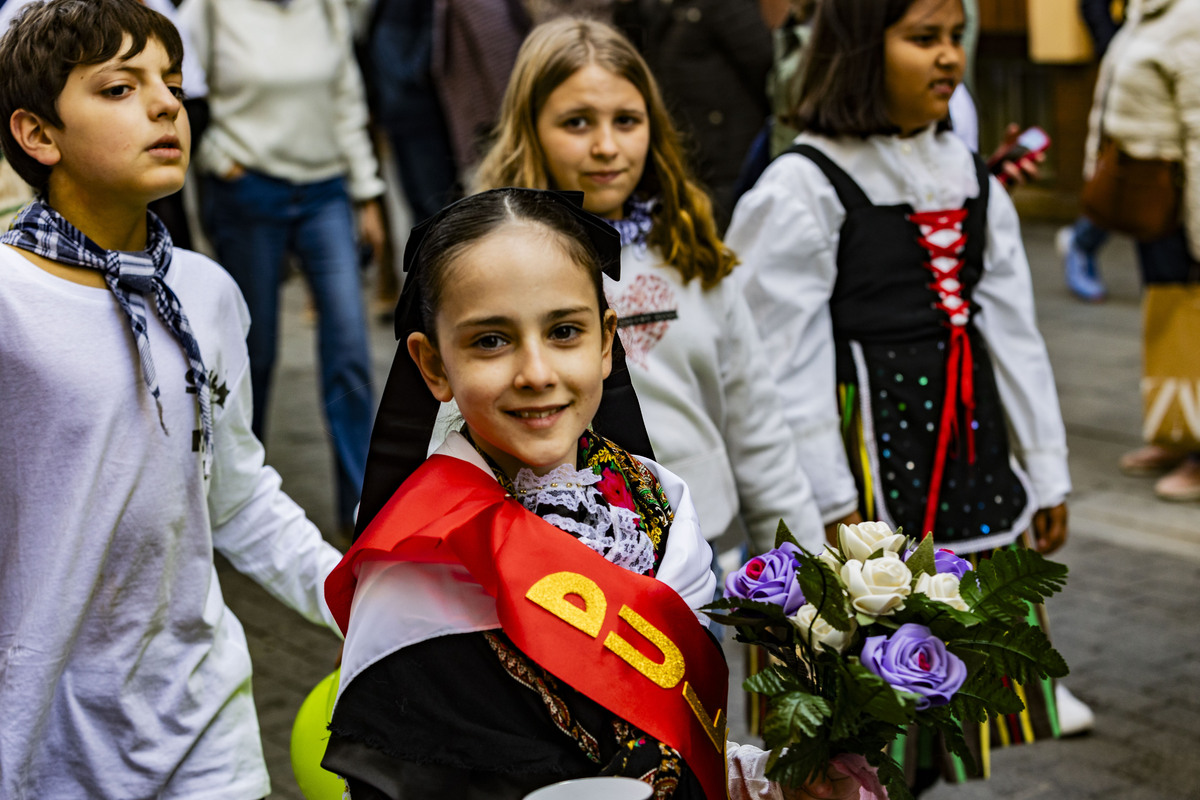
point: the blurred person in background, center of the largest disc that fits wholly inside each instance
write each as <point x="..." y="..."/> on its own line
<point x="711" y="58"/>
<point x="289" y="168"/>
<point x="1148" y="100"/>
<point x="398" y="70"/>
<point x="1079" y="243"/>
<point x="475" y="44"/>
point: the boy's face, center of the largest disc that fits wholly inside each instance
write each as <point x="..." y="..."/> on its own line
<point x="125" y="137"/>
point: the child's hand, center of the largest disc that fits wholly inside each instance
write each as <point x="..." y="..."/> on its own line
<point x="372" y="227"/>
<point x="1050" y="528"/>
<point x="836" y="785"/>
<point x="853" y="518"/>
<point x="1022" y="171"/>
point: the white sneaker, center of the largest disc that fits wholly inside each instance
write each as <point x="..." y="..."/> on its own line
<point x="1063" y="240"/>
<point x="1074" y="716"/>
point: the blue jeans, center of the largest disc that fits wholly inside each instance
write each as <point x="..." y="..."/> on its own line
<point x="254" y="222"/>
<point x="1165" y="260"/>
<point x="1089" y="237"/>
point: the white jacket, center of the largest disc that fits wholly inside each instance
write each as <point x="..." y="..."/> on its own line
<point x="787" y="230"/>
<point x="285" y="92"/>
<point x="122" y="671"/>
<point x="712" y="410"/>
<point x="1149" y="91"/>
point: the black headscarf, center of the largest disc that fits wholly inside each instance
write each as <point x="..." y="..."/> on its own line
<point x="408" y="411"/>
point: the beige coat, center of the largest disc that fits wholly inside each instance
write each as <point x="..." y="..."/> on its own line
<point x="1149" y="92"/>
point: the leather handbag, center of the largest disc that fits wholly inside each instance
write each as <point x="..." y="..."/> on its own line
<point x="1171" y="365"/>
<point x="1137" y="196"/>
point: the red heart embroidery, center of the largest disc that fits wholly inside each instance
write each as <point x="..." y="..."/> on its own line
<point x="645" y="308"/>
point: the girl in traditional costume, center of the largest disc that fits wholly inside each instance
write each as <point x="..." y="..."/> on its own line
<point x="890" y="285"/>
<point x="522" y="608"/>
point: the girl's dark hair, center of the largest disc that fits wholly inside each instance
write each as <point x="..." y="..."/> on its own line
<point x="48" y="40"/>
<point x="465" y="223"/>
<point x="842" y="89"/>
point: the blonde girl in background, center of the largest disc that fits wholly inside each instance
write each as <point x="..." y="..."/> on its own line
<point x="582" y="112"/>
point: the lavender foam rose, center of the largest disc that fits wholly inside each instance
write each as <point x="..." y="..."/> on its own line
<point x="914" y="660"/>
<point x="769" y="578"/>
<point x="946" y="562"/>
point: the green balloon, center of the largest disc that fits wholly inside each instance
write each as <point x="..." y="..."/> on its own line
<point x="310" y="734"/>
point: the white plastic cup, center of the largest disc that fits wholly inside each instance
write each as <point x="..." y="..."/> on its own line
<point x="594" y="789"/>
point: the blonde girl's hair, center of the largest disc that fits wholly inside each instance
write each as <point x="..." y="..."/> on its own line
<point x="684" y="231"/>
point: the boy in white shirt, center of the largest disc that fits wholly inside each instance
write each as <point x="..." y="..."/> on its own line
<point x="126" y="455"/>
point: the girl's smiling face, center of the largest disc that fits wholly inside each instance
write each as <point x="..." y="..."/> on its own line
<point x="595" y="134"/>
<point x="521" y="346"/>
<point x="924" y="62"/>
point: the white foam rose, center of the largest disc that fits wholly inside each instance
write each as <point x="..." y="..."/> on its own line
<point x="877" y="586"/>
<point x="816" y="630"/>
<point x="943" y="588"/>
<point x="827" y="555"/>
<point x="860" y="540"/>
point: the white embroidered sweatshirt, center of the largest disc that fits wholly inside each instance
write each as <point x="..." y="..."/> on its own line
<point x="710" y="402"/>
<point x="284" y="92"/>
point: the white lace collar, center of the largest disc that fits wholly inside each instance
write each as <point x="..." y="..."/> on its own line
<point x="567" y="499"/>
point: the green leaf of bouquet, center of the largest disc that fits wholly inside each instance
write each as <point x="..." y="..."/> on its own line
<point x="892" y="776"/>
<point x="875" y="697"/>
<point x="745" y="612"/>
<point x="1000" y="586"/>
<point x="792" y="716"/>
<point x="974" y="661"/>
<point x="1020" y="651"/>
<point x="775" y="679"/>
<point x="846" y="718"/>
<point x="956" y="743"/>
<point x="945" y="621"/>
<point x="737" y="603"/>
<point x="984" y="694"/>
<point x="803" y="759"/>
<point x="823" y="589"/>
<point x="784" y="534"/>
<point x="921" y="560"/>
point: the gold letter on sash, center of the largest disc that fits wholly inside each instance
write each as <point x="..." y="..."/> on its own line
<point x="551" y="594"/>
<point x="713" y="727"/>
<point x="669" y="672"/>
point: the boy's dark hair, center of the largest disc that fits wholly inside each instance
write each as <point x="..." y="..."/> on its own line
<point x="49" y="39"/>
<point x="842" y="81"/>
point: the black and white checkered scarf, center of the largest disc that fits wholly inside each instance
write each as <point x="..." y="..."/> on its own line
<point x="130" y="276"/>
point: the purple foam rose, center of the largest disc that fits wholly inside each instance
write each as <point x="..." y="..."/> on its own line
<point x="914" y="660"/>
<point x="769" y="578"/>
<point x="945" y="561"/>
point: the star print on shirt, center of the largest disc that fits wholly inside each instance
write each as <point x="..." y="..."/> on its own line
<point x="220" y="391"/>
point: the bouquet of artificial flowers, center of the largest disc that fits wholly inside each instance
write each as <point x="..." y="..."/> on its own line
<point x="880" y="633"/>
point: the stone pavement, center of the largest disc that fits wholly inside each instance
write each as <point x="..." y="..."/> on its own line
<point x="1127" y="622"/>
